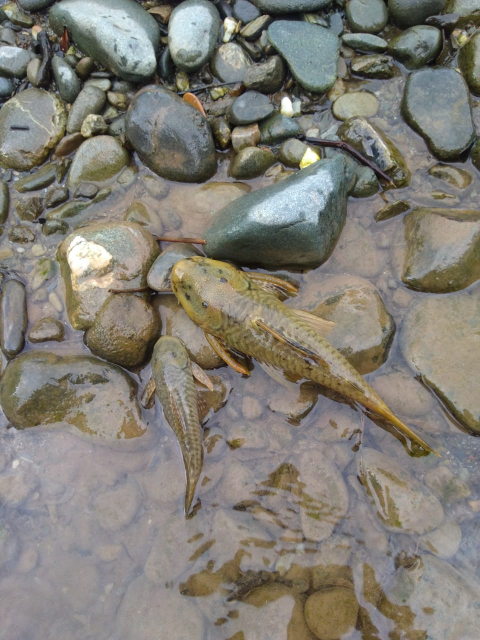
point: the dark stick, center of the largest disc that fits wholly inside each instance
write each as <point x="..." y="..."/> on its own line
<point x="187" y="240"/>
<point x="19" y="127"/>
<point x="207" y="87"/>
<point x="137" y="290"/>
<point x="344" y="146"/>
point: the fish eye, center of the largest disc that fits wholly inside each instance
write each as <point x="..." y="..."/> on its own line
<point x="205" y="304"/>
<point x="223" y="280"/>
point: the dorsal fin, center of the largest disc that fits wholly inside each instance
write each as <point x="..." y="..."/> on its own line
<point x="320" y="325"/>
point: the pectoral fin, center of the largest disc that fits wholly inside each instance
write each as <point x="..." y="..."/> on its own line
<point x="272" y="284"/>
<point x="222" y="351"/>
<point x="279" y="376"/>
<point x="320" y="325"/>
<point x="200" y="375"/>
<point x="148" y="396"/>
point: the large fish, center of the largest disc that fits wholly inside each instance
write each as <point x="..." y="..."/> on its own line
<point x="240" y="312"/>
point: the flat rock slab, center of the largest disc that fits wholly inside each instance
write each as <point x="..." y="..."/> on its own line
<point x="440" y="341"/>
<point x="170" y="136"/>
<point x="448" y="129"/>
<point x="119" y="34"/>
<point x="310" y="51"/>
<point x="98" y="398"/>
<point x="295" y="222"/>
<point x="31" y="125"/>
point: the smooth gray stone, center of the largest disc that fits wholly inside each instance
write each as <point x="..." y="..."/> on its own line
<point x="364" y="42"/>
<point x="14" y="61"/>
<point x="42" y="178"/>
<point x="251" y="162"/>
<point x="158" y="278"/>
<point x="374" y="65"/>
<point x="35" y="5"/>
<point x="67" y="81"/>
<point x="290" y="6"/>
<point x="119" y="34"/>
<point x="230" y="63"/>
<point x="13" y="317"/>
<point x="366" y="16"/>
<point x="245" y="11"/>
<point x="293" y="223"/>
<point x="192" y="33"/>
<point x="170" y="136"/>
<point x="46" y="329"/>
<point x="249" y="107"/>
<point x="277" y="128"/>
<point x="469" y="63"/>
<point x="416" y="46"/>
<point x="447" y="128"/>
<point x="7" y="36"/>
<point x="468" y="11"/>
<point x="266" y="77"/>
<point x="89" y="100"/>
<point x="310" y="51"/>
<point x="408" y="13"/>
<point x="6" y="87"/>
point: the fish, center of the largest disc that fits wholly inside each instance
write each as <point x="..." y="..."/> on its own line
<point x="241" y="313"/>
<point x="173" y="374"/>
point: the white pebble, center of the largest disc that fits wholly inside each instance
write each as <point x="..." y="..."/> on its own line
<point x="297" y="108"/>
<point x="230" y="27"/>
<point x="286" y="107"/>
<point x="38" y="250"/>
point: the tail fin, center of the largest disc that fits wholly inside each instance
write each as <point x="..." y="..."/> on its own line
<point x="405" y="430"/>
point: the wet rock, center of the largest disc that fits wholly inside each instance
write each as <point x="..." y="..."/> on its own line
<point x="407" y="13"/>
<point x="222" y="132"/>
<point x="302" y="45"/>
<point x="175" y="322"/>
<point x="245" y="11"/>
<point x="43" y="388"/>
<point x="148" y="607"/>
<point x="116" y="508"/>
<point x="42" y="178"/>
<point x="99" y="257"/>
<point x="14" y="61"/>
<point x="248" y="136"/>
<point x="5" y="201"/>
<point x="124" y="331"/>
<point x="45" y="330"/>
<point x="364" y="42"/>
<point x="444" y="541"/>
<point x="354" y="104"/>
<point x="459" y="178"/>
<point x="448" y="486"/>
<point x="192" y="33"/>
<point x="366" y="183"/>
<point x="294" y="403"/>
<point x="449" y="129"/>
<point x="254" y="29"/>
<point x="278" y="128"/>
<point x="442" y="252"/>
<point x="453" y="323"/>
<point x="435" y="599"/>
<point x="364" y="329"/>
<point x="119" y="34"/>
<point x="403" y="394"/>
<point x="291" y="152"/>
<point x="468" y="11"/>
<point x="29" y="209"/>
<point x="97" y="160"/>
<point x="230" y="63"/>
<point x="266" y="77"/>
<point x="170" y="136"/>
<point x="289" y="6"/>
<point x="6" y="87"/>
<point x="248" y="108"/>
<point x="366" y="16"/>
<point x="158" y="277"/>
<point x="375" y="145"/>
<point x="13" y="317"/>
<point x="68" y="144"/>
<point x="400" y="502"/>
<point x="416" y="46"/>
<point x="469" y="63"/>
<point x="89" y="100"/>
<point x="66" y="79"/>
<point x="373" y="66"/>
<point x="35" y="5"/>
<point x="41" y="116"/>
<point x="251" y="162"/>
<point x="332" y="612"/>
<point x="93" y="125"/>
<point x="301" y="219"/>
<point x="21" y="234"/>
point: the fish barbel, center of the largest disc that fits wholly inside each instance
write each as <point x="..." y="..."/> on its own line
<point x="175" y="388"/>
<point x="238" y="311"/>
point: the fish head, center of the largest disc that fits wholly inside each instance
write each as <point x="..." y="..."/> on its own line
<point x="203" y="287"/>
<point x="171" y="351"/>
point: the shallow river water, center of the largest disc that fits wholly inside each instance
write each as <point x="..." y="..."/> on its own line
<point x="94" y="543"/>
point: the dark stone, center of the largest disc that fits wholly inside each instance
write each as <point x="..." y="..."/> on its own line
<point x="469" y="63"/>
<point x="90" y="100"/>
<point x="251" y="162"/>
<point x="366" y="16"/>
<point x="4" y="202"/>
<point x="408" y="13"/>
<point x="278" y="128"/>
<point x="13" y="318"/>
<point x="170" y="136"/>
<point x="30" y="208"/>
<point x="364" y="42"/>
<point x="21" y="234"/>
<point x="266" y="77"/>
<point x="416" y="46"/>
<point x="42" y="178"/>
<point x="230" y="63"/>
<point x="66" y="79"/>
<point x="158" y="277"/>
<point x="373" y="66"/>
<point x="249" y="107"/>
<point x="245" y="11"/>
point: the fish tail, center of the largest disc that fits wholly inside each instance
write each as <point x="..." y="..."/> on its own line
<point x="403" y="428"/>
<point x="191" y="486"/>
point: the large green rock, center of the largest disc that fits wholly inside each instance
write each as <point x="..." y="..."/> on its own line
<point x="469" y="62"/>
<point x="407" y="13"/>
<point x="310" y="51"/>
<point x="99" y="257"/>
<point x="295" y="222"/>
<point x="442" y="249"/>
<point x="366" y="17"/>
<point x="440" y="343"/>
<point x="97" y="160"/>
<point x="448" y="128"/>
<point x="416" y="46"/>
<point x="43" y="388"/>
<point x="468" y="10"/>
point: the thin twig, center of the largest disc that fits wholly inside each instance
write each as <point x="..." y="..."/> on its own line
<point x="186" y="240"/>
<point x="344" y="146"/>
<point x="136" y="290"/>
<point x="207" y="87"/>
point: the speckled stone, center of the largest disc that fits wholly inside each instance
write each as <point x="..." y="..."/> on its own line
<point x="366" y="16"/>
<point x="192" y="33"/>
<point x="251" y="162"/>
<point x="230" y="62"/>
<point x="364" y="42"/>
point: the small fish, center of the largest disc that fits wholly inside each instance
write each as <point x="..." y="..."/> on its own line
<point x="241" y="312"/>
<point x="173" y="374"/>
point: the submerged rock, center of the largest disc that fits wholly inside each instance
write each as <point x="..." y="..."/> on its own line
<point x="97" y="160"/>
<point x="310" y="51"/>
<point x="119" y="34"/>
<point x="332" y="612"/>
<point x="230" y="62"/>
<point x="251" y="162"/>
<point x="266" y="77"/>
<point x="453" y="370"/>
<point x="47" y="329"/>
<point x="158" y="277"/>
<point x="43" y="388"/>
<point x="295" y="222"/>
<point x="469" y="63"/>
<point x="355" y="104"/>
<point x="448" y="129"/>
<point x="170" y="136"/>
<point x="416" y="46"/>
<point x="400" y="502"/>
<point x="100" y="257"/>
<point x="192" y="33"/>
<point x="407" y="13"/>
<point x="13" y="317"/>
<point x="366" y="17"/>
<point x="468" y="10"/>
<point x="443" y="249"/>
<point x="31" y="125"/>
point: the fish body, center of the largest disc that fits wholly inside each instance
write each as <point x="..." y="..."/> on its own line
<point x="227" y="304"/>
<point x="175" y="388"/>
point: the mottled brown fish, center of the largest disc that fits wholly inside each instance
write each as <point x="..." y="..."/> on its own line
<point x="238" y="311"/>
<point x="173" y="373"/>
